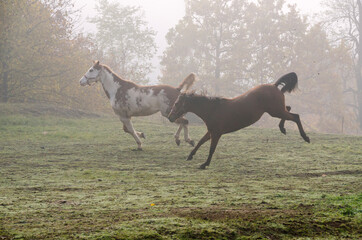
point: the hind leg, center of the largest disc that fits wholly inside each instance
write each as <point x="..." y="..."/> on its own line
<point x="285" y="115"/>
<point x="295" y="118"/>
<point x="139" y="134"/>
<point x="281" y="124"/>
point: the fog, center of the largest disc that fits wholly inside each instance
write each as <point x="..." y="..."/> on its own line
<point x="231" y="45"/>
<point x="162" y="15"/>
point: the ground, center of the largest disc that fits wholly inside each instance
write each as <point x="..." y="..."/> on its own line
<point x="81" y="178"/>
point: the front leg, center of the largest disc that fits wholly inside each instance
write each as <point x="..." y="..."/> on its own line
<point x="186" y="135"/>
<point x="183" y="124"/>
<point x="128" y="127"/>
<point x="214" y="140"/>
<point x="204" y="139"/>
<point x="177" y="135"/>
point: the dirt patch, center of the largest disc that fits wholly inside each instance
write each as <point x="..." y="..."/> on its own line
<point x="271" y="223"/>
<point x="220" y="214"/>
<point x="326" y="174"/>
<point x="4" y="235"/>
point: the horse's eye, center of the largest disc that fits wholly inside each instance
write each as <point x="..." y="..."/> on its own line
<point x="91" y="70"/>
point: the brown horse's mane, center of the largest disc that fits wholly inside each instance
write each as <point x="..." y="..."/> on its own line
<point x="198" y="98"/>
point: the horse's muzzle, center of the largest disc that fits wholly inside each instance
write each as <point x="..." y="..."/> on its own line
<point x="83" y="81"/>
<point x="171" y="117"/>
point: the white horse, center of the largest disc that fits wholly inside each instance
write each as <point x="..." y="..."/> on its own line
<point x="129" y="99"/>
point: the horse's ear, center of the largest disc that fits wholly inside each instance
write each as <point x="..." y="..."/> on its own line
<point x="96" y="62"/>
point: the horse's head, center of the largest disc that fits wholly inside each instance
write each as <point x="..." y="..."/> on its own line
<point x="179" y="108"/>
<point x="92" y="75"/>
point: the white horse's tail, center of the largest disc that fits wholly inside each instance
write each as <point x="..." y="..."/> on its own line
<point x="187" y="82"/>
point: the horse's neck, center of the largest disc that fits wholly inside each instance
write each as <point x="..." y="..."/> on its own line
<point x="203" y="109"/>
<point x="109" y="85"/>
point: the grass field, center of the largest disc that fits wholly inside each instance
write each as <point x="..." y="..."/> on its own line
<point x="80" y="178"/>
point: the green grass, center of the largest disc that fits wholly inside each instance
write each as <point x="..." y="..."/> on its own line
<point x="66" y="178"/>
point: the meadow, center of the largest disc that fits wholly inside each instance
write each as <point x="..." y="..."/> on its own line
<point x="78" y="176"/>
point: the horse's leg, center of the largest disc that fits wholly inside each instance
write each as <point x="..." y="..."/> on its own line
<point x="281" y="124"/>
<point x="178" y="121"/>
<point x="128" y="127"/>
<point x="186" y="135"/>
<point x="204" y="139"/>
<point x="177" y="135"/>
<point x="295" y="118"/>
<point x="214" y="140"/>
<point x="139" y="134"/>
<point x="300" y="127"/>
<point x="184" y="124"/>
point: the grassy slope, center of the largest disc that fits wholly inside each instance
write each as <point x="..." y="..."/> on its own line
<point x="80" y="178"/>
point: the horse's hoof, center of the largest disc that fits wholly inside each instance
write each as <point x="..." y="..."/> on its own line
<point x="306" y="139"/>
<point x="142" y="135"/>
<point x="189" y="158"/>
<point x="192" y="143"/>
<point x="137" y="149"/>
<point x="178" y="142"/>
<point x="203" y="166"/>
<point x="283" y="131"/>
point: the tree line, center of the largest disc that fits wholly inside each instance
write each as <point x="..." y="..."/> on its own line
<point x="232" y="45"/>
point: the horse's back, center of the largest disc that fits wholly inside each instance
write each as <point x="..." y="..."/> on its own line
<point x="248" y="108"/>
<point x="268" y="98"/>
<point x="147" y="100"/>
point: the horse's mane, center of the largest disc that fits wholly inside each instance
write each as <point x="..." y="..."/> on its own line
<point x="116" y="77"/>
<point x="197" y="97"/>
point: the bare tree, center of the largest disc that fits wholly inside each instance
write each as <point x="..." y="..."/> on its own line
<point x="344" y="22"/>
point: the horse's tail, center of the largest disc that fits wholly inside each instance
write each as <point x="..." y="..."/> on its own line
<point x="187" y="82"/>
<point x="289" y="82"/>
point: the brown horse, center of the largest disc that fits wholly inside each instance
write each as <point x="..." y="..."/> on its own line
<point x="222" y="115"/>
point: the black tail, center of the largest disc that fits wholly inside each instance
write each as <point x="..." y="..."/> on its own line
<point x="289" y="82"/>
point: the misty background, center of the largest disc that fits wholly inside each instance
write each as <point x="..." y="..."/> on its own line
<point x="232" y="45"/>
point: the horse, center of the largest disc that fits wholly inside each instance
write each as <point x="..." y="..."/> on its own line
<point x="223" y="115"/>
<point x="129" y="99"/>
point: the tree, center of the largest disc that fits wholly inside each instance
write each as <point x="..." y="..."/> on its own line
<point x="32" y="36"/>
<point x="203" y="41"/>
<point x="41" y="56"/>
<point x="269" y="37"/>
<point x="124" y="40"/>
<point x="235" y="45"/>
<point x="316" y="62"/>
<point x="344" y="21"/>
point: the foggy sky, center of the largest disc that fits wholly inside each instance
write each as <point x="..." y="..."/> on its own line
<point x="162" y="15"/>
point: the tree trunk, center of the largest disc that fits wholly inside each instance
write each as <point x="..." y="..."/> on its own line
<point x="217" y="73"/>
<point x="217" y="68"/>
<point x="218" y="61"/>
<point x="359" y="65"/>
<point x="4" y="84"/>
